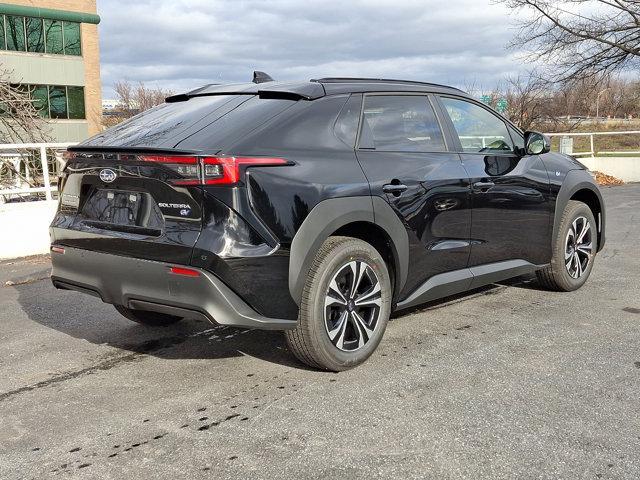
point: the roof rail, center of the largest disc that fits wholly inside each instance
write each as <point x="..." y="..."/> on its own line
<point x="378" y="80"/>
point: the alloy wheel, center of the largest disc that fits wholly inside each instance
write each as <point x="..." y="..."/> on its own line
<point x="352" y="306"/>
<point x="578" y="247"/>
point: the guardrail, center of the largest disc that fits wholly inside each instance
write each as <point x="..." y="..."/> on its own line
<point x="592" y="153"/>
<point x="24" y="185"/>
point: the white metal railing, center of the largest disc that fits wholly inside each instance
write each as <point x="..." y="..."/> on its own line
<point x="24" y="187"/>
<point x="592" y="153"/>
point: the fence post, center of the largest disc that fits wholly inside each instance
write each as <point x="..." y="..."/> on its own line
<point x="45" y="172"/>
<point x="593" y="149"/>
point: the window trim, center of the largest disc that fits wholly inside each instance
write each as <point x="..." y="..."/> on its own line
<point x="428" y="97"/>
<point x="452" y="128"/>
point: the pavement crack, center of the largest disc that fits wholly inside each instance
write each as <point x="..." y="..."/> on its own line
<point x="105" y="365"/>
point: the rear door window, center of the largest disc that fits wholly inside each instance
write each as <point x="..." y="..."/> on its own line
<point x="400" y="123"/>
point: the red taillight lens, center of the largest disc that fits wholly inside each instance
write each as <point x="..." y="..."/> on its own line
<point x="226" y="170"/>
<point x="56" y="249"/>
<point x="209" y="170"/>
<point x="187" y="272"/>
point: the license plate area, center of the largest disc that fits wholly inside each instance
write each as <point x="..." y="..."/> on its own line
<point x="116" y="207"/>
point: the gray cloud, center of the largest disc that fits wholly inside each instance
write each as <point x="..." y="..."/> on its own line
<point x="184" y="44"/>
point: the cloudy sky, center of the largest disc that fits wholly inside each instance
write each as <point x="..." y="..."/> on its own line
<point x="181" y="44"/>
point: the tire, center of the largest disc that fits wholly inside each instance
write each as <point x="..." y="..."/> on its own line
<point x="144" y="317"/>
<point x="331" y="333"/>
<point x="564" y="274"/>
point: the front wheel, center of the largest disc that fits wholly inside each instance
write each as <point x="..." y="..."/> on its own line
<point x="345" y="306"/>
<point x="574" y="250"/>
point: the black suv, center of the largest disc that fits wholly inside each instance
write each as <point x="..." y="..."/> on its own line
<point x="317" y="208"/>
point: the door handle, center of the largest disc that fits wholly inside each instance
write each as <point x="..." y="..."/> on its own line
<point x="394" y="188"/>
<point x="483" y="185"/>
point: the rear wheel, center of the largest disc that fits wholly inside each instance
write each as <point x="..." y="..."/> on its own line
<point x="345" y="306"/>
<point x="574" y="250"/>
<point x="145" y="317"/>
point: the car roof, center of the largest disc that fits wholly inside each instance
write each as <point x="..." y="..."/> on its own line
<point x="316" y="88"/>
<point x="334" y="85"/>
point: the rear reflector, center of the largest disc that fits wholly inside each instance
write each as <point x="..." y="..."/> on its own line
<point x="192" y="170"/>
<point x="184" y="271"/>
<point x="56" y="249"/>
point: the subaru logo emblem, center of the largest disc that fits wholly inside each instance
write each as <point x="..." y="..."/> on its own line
<point x="107" y="175"/>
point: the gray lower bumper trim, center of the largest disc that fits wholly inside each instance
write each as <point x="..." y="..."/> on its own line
<point x="147" y="285"/>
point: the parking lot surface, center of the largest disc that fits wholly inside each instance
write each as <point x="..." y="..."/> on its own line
<point x="506" y="382"/>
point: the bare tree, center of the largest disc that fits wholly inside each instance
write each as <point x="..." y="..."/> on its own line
<point x="133" y="99"/>
<point x="20" y="122"/>
<point x="527" y="99"/>
<point x="580" y="38"/>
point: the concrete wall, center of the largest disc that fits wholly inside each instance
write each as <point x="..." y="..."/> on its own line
<point x="25" y="228"/>
<point x="624" y="168"/>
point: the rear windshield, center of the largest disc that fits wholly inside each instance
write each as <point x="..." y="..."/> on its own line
<point x="200" y="123"/>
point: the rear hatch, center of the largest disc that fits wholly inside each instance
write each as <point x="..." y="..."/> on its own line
<point x="134" y="190"/>
<point x="126" y="203"/>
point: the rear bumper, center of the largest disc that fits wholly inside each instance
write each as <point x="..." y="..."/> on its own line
<point x="149" y="285"/>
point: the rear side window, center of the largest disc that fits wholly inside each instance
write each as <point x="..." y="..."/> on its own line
<point x="400" y="123"/>
<point x="478" y="129"/>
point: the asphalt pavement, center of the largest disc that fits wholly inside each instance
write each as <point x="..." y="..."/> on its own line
<point x="509" y="381"/>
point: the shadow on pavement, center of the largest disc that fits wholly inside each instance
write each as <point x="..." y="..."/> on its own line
<point x="87" y="318"/>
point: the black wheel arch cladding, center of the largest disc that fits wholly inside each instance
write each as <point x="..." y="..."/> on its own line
<point x="579" y="185"/>
<point x="332" y="214"/>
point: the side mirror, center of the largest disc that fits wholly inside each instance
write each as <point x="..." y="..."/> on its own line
<point x="536" y="143"/>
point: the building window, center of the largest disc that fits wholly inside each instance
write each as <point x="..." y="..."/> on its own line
<point x="15" y="33"/>
<point x="56" y="101"/>
<point x="30" y="34"/>
<point x="3" y="42"/>
<point x="40" y="99"/>
<point x="75" y="100"/>
<point x="72" y="38"/>
<point x="53" y="37"/>
<point x="35" y="35"/>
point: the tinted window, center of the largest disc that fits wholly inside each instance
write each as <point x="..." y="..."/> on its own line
<point x="58" y="102"/>
<point x="401" y="123"/>
<point x="71" y="38"/>
<point x="478" y="129"/>
<point x="35" y="35"/>
<point x="346" y="127"/>
<point x="201" y="122"/>
<point x="15" y="33"/>
<point x="518" y="139"/>
<point x="75" y="96"/>
<point x="53" y="35"/>
<point x="3" y="43"/>
<point x="40" y="99"/>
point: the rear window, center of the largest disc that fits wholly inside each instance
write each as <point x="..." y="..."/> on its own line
<point x="199" y="123"/>
<point x="400" y="123"/>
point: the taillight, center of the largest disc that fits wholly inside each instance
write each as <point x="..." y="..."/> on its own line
<point x="209" y="170"/>
<point x="187" y="168"/>
<point x="226" y="170"/>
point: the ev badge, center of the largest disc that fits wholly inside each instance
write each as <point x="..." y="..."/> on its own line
<point x="107" y="175"/>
